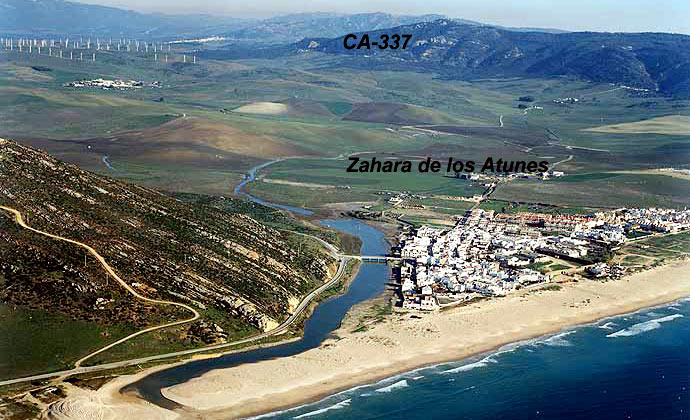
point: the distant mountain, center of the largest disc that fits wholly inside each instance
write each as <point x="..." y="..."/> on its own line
<point x="654" y="61"/>
<point x="510" y="28"/>
<point x="69" y="18"/>
<point x="532" y="29"/>
<point x="60" y="17"/>
<point x="294" y="27"/>
<point x="45" y="17"/>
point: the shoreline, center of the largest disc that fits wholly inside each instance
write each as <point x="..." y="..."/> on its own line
<point x="350" y="364"/>
<point x="206" y="396"/>
<point x="375" y="379"/>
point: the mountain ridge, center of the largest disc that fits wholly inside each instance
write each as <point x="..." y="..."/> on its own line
<point x="646" y="61"/>
<point x="62" y="17"/>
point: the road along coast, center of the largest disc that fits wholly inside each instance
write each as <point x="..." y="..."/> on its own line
<point x="301" y="308"/>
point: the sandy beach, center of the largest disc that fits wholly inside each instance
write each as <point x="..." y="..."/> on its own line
<point x="399" y="344"/>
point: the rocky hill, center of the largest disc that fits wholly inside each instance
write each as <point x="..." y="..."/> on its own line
<point x="166" y="249"/>
<point x="653" y="61"/>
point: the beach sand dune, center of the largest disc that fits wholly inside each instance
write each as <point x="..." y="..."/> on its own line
<point x="105" y="404"/>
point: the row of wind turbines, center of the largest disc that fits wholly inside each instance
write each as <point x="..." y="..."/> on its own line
<point x="86" y="48"/>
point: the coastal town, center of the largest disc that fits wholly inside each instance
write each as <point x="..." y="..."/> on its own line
<point x="490" y="254"/>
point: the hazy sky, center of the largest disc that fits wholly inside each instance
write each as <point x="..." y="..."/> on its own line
<point x="598" y="15"/>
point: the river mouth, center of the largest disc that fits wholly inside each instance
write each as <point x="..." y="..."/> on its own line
<point x="369" y="282"/>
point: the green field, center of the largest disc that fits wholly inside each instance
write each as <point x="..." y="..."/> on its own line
<point x="35" y="341"/>
<point x="661" y="247"/>
<point x="516" y="207"/>
<point x="601" y="190"/>
<point x="310" y="182"/>
<point x="336" y="111"/>
<point x="333" y="172"/>
<point x="654" y="250"/>
<point x="173" y="339"/>
<point x="439" y="205"/>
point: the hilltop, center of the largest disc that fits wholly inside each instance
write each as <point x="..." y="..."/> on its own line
<point x="244" y="274"/>
<point x="60" y="17"/>
<point x="650" y="61"/>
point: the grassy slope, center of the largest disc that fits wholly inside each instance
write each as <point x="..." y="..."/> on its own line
<point x="203" y="90"/>
<point x="37" y="341"/>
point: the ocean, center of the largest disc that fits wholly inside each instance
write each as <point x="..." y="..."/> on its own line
<point x="634" y="366"/>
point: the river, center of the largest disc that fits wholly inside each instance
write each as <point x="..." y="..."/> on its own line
<point x="369" y="282"/>
<point x="624" y="367"/>
<point x="251" y="176"/>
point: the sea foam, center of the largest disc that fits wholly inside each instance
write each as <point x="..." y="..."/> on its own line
<point x="464" y="368"/>
<point x="557" y="340"/>
<point x="393" y="387"/>
<point x="642" y="327"/>
<point x="337" y="406"/>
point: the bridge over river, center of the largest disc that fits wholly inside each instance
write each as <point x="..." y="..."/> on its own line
<point x="372" y="258"/>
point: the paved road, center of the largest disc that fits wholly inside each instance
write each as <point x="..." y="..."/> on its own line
<point x="278" y="330"/>
<point x="334" y="251"/>
<point x="79" y="369"/>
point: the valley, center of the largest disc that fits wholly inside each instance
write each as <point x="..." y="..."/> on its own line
<point x="205" y="148"/>
<point x="189" y="214"/>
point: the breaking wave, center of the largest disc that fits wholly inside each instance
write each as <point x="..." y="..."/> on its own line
<point x="464" y="368"/>
<point x="642" y="327"/>
<point x="557" y="340"/>
<point x="393" y="387"/>
<point x="337" y="406"/>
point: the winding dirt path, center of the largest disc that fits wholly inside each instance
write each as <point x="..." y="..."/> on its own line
<point x="195" y="315"/>
<point x="295" y="316"/>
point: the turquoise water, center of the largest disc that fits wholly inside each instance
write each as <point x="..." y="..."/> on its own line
<point x="633" y="366"/>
